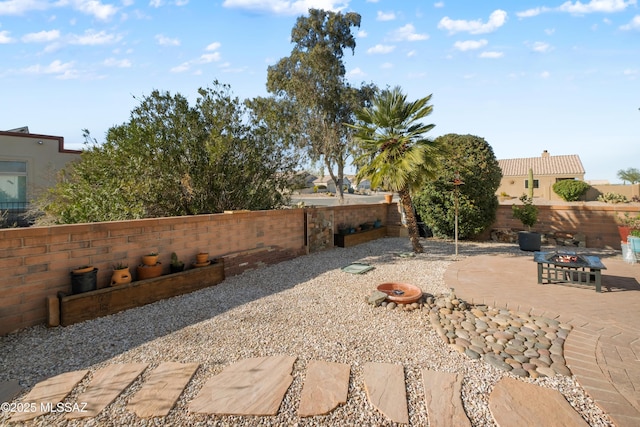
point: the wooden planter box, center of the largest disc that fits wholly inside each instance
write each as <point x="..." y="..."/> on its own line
<point x="347" y="240"/>
<point x="102" y="302"/>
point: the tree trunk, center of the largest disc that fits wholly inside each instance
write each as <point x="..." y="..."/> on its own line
<point x="412" y="224"/>
<point x="335" y="179"/>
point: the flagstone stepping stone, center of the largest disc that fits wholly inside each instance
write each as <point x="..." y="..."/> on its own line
<point x="515" y="403"/>
<point x="107" y="384"/>
<point x="442" y="391"/>
<point x="162" y="389"/>
<point x="48" y="393"/>
<point x="325" y="387"/>
<point x="253" y="386"/>
<point x="384" y="383"/>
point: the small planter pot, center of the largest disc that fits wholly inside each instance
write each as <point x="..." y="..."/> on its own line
<point x="388" y="198"/>
<point x="121" y="277"/>
<point x="85" y="281"/>
<point x="529" y="241"/>
<point x="150" y="260"/>
<point x="149" y="271"/>
<point x="202" y="257"/>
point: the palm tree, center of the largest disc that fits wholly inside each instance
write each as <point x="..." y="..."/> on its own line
<point x="395" y="155"/>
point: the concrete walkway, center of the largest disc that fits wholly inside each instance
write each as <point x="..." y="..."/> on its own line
<point x="603" y="349"/>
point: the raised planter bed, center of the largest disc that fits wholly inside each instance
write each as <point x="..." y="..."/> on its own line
<point x="102" y="302"/>
<point x="347" y="240"/>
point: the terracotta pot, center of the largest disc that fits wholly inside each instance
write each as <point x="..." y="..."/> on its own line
<point x="150" y="259"/>
<point x="401" y="293"/>
<point x="388" y="198"/>
<point x="121" y="277"/>
<point x="624" y="231"/>
<point x="202" y="257"/>
<point x="149" y="271"/>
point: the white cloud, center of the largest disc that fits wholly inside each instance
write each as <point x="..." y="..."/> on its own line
<point x="55" y="67"/>
<point x="41" y="36"/>
<point x="605" y="6"/>
<point x="408" y="33"/>
<point x="385" y="16"/>
<point x="496" y="20"/>
<point x="94" y="8"/>
<point x="362" y="34"/>
<point x="286" y="7"/>
<point x="491" y="55"/>
<point x="470" y="44"/>
<point x="545" y="74"/>
<point x="19" y="7"/>
<point x="117" y="63"/>
<point x="205" y="58"/>
<point x="381" y="48"/>
<point x="156" y="3"/>
<point x="634" y="24"/>
<point x="532" y="12"/>
<point x="5" y="38"/>
<point x="411" y="53"/>
<point x="356" y="72"/>
<point x="541" y="47"/>
<point x="631" y="73"/>
<point x="549" y="31"/>
<point x="438" y="5"/>
<point x="386" y="65"/>
<point x="373" y="1"/>
<point x="92" y="38"/>
<point x="166" y="41"/>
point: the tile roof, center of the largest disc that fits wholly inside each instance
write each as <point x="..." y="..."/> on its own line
<point x="544" y="165"/>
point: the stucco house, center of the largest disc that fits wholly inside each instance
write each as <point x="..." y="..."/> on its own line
<point x="547" y="170"/>
<point x="329" y="184"/>
<point x="28" y="163"/>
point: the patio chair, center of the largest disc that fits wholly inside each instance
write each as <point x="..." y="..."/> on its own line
<point x="634" y="247"/>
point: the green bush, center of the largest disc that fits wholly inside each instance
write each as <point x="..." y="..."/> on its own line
<point x="570" y="190"/>
<point x="473" y="158"/>
<point x="527" y="213"/>
<point x="612" y="198"/>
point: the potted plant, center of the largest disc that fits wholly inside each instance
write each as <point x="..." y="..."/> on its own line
<point x="202" y="259"/>
<point x="121" y="275"/>
<point x="150" y="259"/>
<point x="627" y="223"/>
<point x="150" y="267"/>
<point x="377" y="223"/>
<point x="84" y="279"/>
<point x="527" y="213"/>
<point x="388" y="198"/>
<point x="176" y="265"/>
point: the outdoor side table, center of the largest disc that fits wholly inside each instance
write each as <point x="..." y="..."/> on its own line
<point x="569" y="267"/>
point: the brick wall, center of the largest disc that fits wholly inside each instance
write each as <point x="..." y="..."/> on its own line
<point x="598" y="223"/>
<point x="35" y="262"/>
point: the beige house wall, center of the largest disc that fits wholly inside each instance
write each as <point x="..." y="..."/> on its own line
<point x="514" y="186"/>
<point x="43" y="154"/>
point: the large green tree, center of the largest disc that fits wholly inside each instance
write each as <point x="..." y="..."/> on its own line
<point x="395" y="153"/>
<point x="318" y="99"/>
<point x="172" y="158"/>
<point x="471" y="159"/>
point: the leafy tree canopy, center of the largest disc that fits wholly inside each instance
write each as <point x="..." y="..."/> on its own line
<point x="315" y="95"/>
<point x="631" y="175"/>
<point x="471" y="159"/>
<point x="171" y="159"/>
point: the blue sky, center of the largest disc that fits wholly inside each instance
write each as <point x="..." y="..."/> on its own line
<point x="527" y="76"/>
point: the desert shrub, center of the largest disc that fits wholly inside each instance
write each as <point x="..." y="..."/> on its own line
<point x="570" y="190"/>
<point x="612" y="198"/>
<point x="473" y="158"/>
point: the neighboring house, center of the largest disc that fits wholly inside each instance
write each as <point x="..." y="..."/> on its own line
<point x="547" y="170"/>
<point x="328" y="182"/>
<point x="363" y="185"/>
<point x="28" y="163"/>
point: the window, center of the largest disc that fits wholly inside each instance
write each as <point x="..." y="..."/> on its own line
<point x="13" y="184"/>
<point x="536" y="183"/>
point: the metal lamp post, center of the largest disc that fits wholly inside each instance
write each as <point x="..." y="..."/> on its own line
<point x="457" y="182"/>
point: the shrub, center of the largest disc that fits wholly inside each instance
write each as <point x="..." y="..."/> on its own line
<point x="527" y="213"/>
<point x="473" y="158"/>
<point x="612" y="198"/>
<point x="570" y="190"/>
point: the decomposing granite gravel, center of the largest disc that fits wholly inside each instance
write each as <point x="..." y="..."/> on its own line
<point x="311" y="309"/>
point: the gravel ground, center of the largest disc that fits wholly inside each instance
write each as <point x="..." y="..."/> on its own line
<point x="307" y="308"/>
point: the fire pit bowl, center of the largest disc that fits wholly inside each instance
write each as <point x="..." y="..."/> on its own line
<point x="401" y="293"/>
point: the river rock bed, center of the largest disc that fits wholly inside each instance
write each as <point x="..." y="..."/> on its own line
<point x="516" y="342"/>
